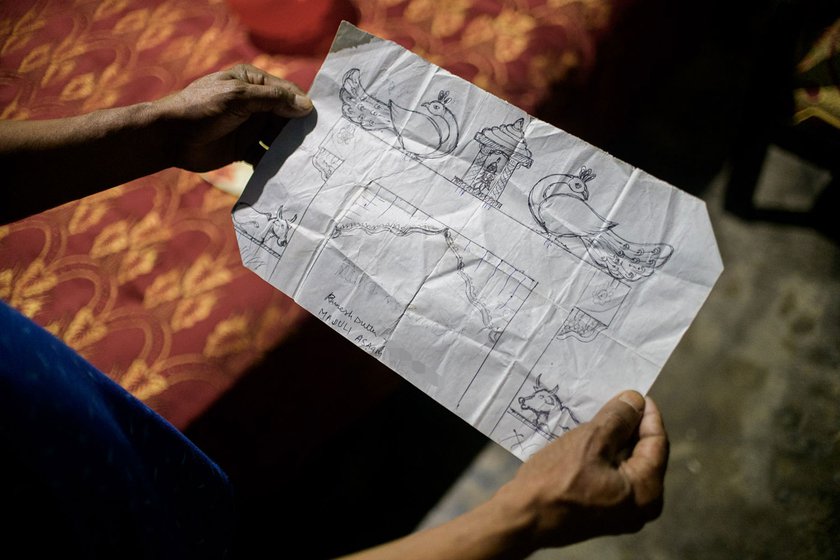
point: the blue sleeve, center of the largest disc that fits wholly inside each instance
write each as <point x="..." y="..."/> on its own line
<point x="89" y="470"/>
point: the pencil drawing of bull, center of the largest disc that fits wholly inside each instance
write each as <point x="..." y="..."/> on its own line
<point x="544" y="403"/>
<point x="263" y="225"/>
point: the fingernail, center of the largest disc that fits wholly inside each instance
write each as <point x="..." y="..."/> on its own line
<point x="303" y="103"/>
<point x="634" y="399"/>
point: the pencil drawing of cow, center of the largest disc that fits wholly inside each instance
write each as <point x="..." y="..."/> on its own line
<point x="544" y="403"/>
<point x="263" y="225"/>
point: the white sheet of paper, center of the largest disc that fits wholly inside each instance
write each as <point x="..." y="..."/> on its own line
<point x="518" y="275"/>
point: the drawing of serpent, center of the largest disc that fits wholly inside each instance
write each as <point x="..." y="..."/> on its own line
<point x="404" y="230"/>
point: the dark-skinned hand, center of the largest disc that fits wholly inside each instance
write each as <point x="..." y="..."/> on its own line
<point x="605" y="477"/>
<point x="223" y="117"/>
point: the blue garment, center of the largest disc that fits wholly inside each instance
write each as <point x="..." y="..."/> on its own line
<point x="89" y="471"/>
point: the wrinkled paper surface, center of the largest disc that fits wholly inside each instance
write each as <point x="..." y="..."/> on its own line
<point x="518" y="275"/>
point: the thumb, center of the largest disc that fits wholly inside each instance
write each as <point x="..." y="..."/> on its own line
<point x="618" y="422"/>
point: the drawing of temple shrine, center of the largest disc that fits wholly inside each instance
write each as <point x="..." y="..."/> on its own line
<point x="502" y="150"/>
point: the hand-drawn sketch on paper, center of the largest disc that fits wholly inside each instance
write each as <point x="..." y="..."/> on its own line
<point x="541" y="409"/>
<point x="326" y="162"/>
<point x="520" y="443"/>
<point x="430" y="132"/>
<point x="484" y="272"/>
<point x="501" y="150"/>
<point x="490" y="290"/>
<point x="266" y="230"/>
<point x="559" y="205"/>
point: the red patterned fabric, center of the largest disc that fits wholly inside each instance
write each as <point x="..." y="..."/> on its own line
<point x="145" y="280"/>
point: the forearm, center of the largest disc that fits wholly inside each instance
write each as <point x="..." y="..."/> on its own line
<point x="580" y="486"/>
<point x="50" y="162"/>
<point x="215" y="120"/>
<point x="495" y="530"/>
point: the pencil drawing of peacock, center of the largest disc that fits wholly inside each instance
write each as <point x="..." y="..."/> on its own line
<point x="431" y="132"/>
<point x="559" y="204"/>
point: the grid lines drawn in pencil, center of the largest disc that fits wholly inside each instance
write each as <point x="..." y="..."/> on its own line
<point x="557" y="202"/>
<point x="511" y="307"/>
<point x="537" y="409"/>
<point x="488" y="285"/>
<point x="250" y="224"/>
